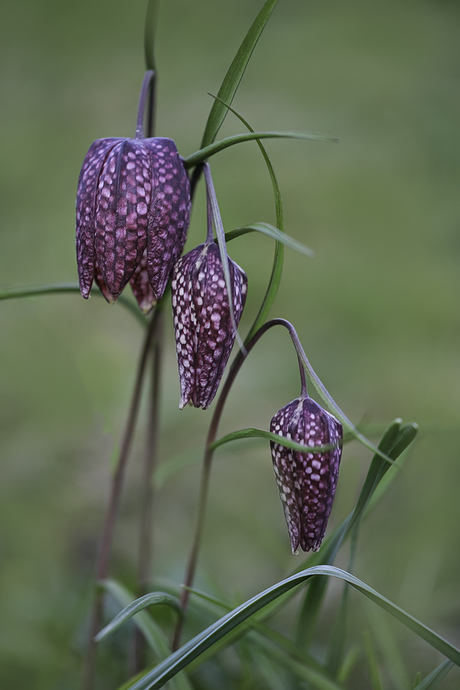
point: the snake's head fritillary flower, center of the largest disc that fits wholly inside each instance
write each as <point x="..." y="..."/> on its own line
<point x="306" y="481"/>
<point x="202" y="320"/>
<point x="133" y="209"/>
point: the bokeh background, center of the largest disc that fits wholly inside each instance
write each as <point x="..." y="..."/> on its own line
<point x="377" y="310"/>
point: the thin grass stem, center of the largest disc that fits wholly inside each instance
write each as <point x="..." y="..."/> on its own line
<point x="206" y="471"/>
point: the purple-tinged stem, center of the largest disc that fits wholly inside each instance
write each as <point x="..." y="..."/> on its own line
<point x="148" y="86"/>
<point x="147" y="498"/>
<point x="105" y="544"/>
<point x="208" y="456"/>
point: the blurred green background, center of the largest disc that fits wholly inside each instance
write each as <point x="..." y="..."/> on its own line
<point x="377" y="310"/>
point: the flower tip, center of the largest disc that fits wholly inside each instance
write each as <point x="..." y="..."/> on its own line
<point x="146" y="309"/>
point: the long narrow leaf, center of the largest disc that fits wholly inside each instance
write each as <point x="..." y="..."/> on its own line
<point x="270" y="436"/>
<point x="204" y="153"/>
<point x="235" y="73"/>
<point x="274" y="233"/>
<point x="62" y="288"/>
<point x="154" y="636"/>
<point x="389" y="445"/>
<point x="435" y="678"/>
<point x="152" y="599"/>
<point x="277" y="267"/>
<point x="192" y="649"/>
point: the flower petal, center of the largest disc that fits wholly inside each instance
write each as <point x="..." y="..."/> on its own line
<point x="170" y="211"/>
<point x="140" y="286"/>
<point x="85" y="207"/>
<point x="122" y="209"/>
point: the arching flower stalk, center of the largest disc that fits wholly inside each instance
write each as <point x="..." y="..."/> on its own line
<point x="306" y="481"/>
<point x="205" y="318"/>
<point x="133" y="211"/>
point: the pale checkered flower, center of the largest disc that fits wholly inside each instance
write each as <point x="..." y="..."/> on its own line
<point x="306" y="481"/>
<point x="202" y="321"/>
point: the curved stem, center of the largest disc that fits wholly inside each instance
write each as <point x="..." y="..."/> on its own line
<point x="207" y="463"/>
<point x="105" y="544"/>
<point x="149" y="33"/>
<point x="147" y="86"/>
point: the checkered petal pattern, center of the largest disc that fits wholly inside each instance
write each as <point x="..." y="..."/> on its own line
<point x="306" y="481"/>
<point x="133" y="211"/>
<point x="202" y="321"/>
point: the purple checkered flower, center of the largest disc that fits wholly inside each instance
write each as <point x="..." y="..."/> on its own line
<point x="306" y="481"/>
<point x="133" y="209"/>
<point x="202" y="320"/>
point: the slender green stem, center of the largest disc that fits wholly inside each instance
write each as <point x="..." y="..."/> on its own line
<point x="206" y="472"/>
<point x="147" y="497"/>
<point x="62" y="288"/>
<point x="105" y="544"/>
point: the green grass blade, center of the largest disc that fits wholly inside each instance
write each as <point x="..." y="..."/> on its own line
<point x="62" y="288"/>
<point x="204" y="153"/>
<point x="265" y="636"/>
<point x="335" y="409"/>
<point x="235" y="73"/>
<point x="274" y="233"/>
<point x="270" y="436"/>
<point x="153" y="634"/>
<point x="435" y="678"/>
<point x="391" y="445"/>
<point x="151" y="599"/>
<point x="277" y="267"/>
<point x="168" y="668"/>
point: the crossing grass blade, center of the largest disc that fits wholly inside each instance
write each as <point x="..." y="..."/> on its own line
<point x="153" y="634"/>
<point x="270" y="436"/>
<point x="177" y="661"/>
<point x="152" y="599"/>
<point x="274" y="233"/>
<point x="235" y="73"/>
<point x="394" y="440"/>
<point x="206" y="152"/>
<point x="278" y="258"/>
<point x="435" y="678"/>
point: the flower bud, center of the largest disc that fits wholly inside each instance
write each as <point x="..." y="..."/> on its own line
<point x="133" y="209"/>
<point x="306" y="481"/>
<point x="202" y="321"/>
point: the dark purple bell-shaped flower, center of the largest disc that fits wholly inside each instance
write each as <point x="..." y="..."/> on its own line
<point x="133" y="210"/>
<point x="306" y="481"/>
<point x="202" y="321"/>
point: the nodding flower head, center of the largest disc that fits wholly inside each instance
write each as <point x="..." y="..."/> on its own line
<point x="202" y="321"/>
<point x="133" y="209"/>
<point x="306" y="481"/>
